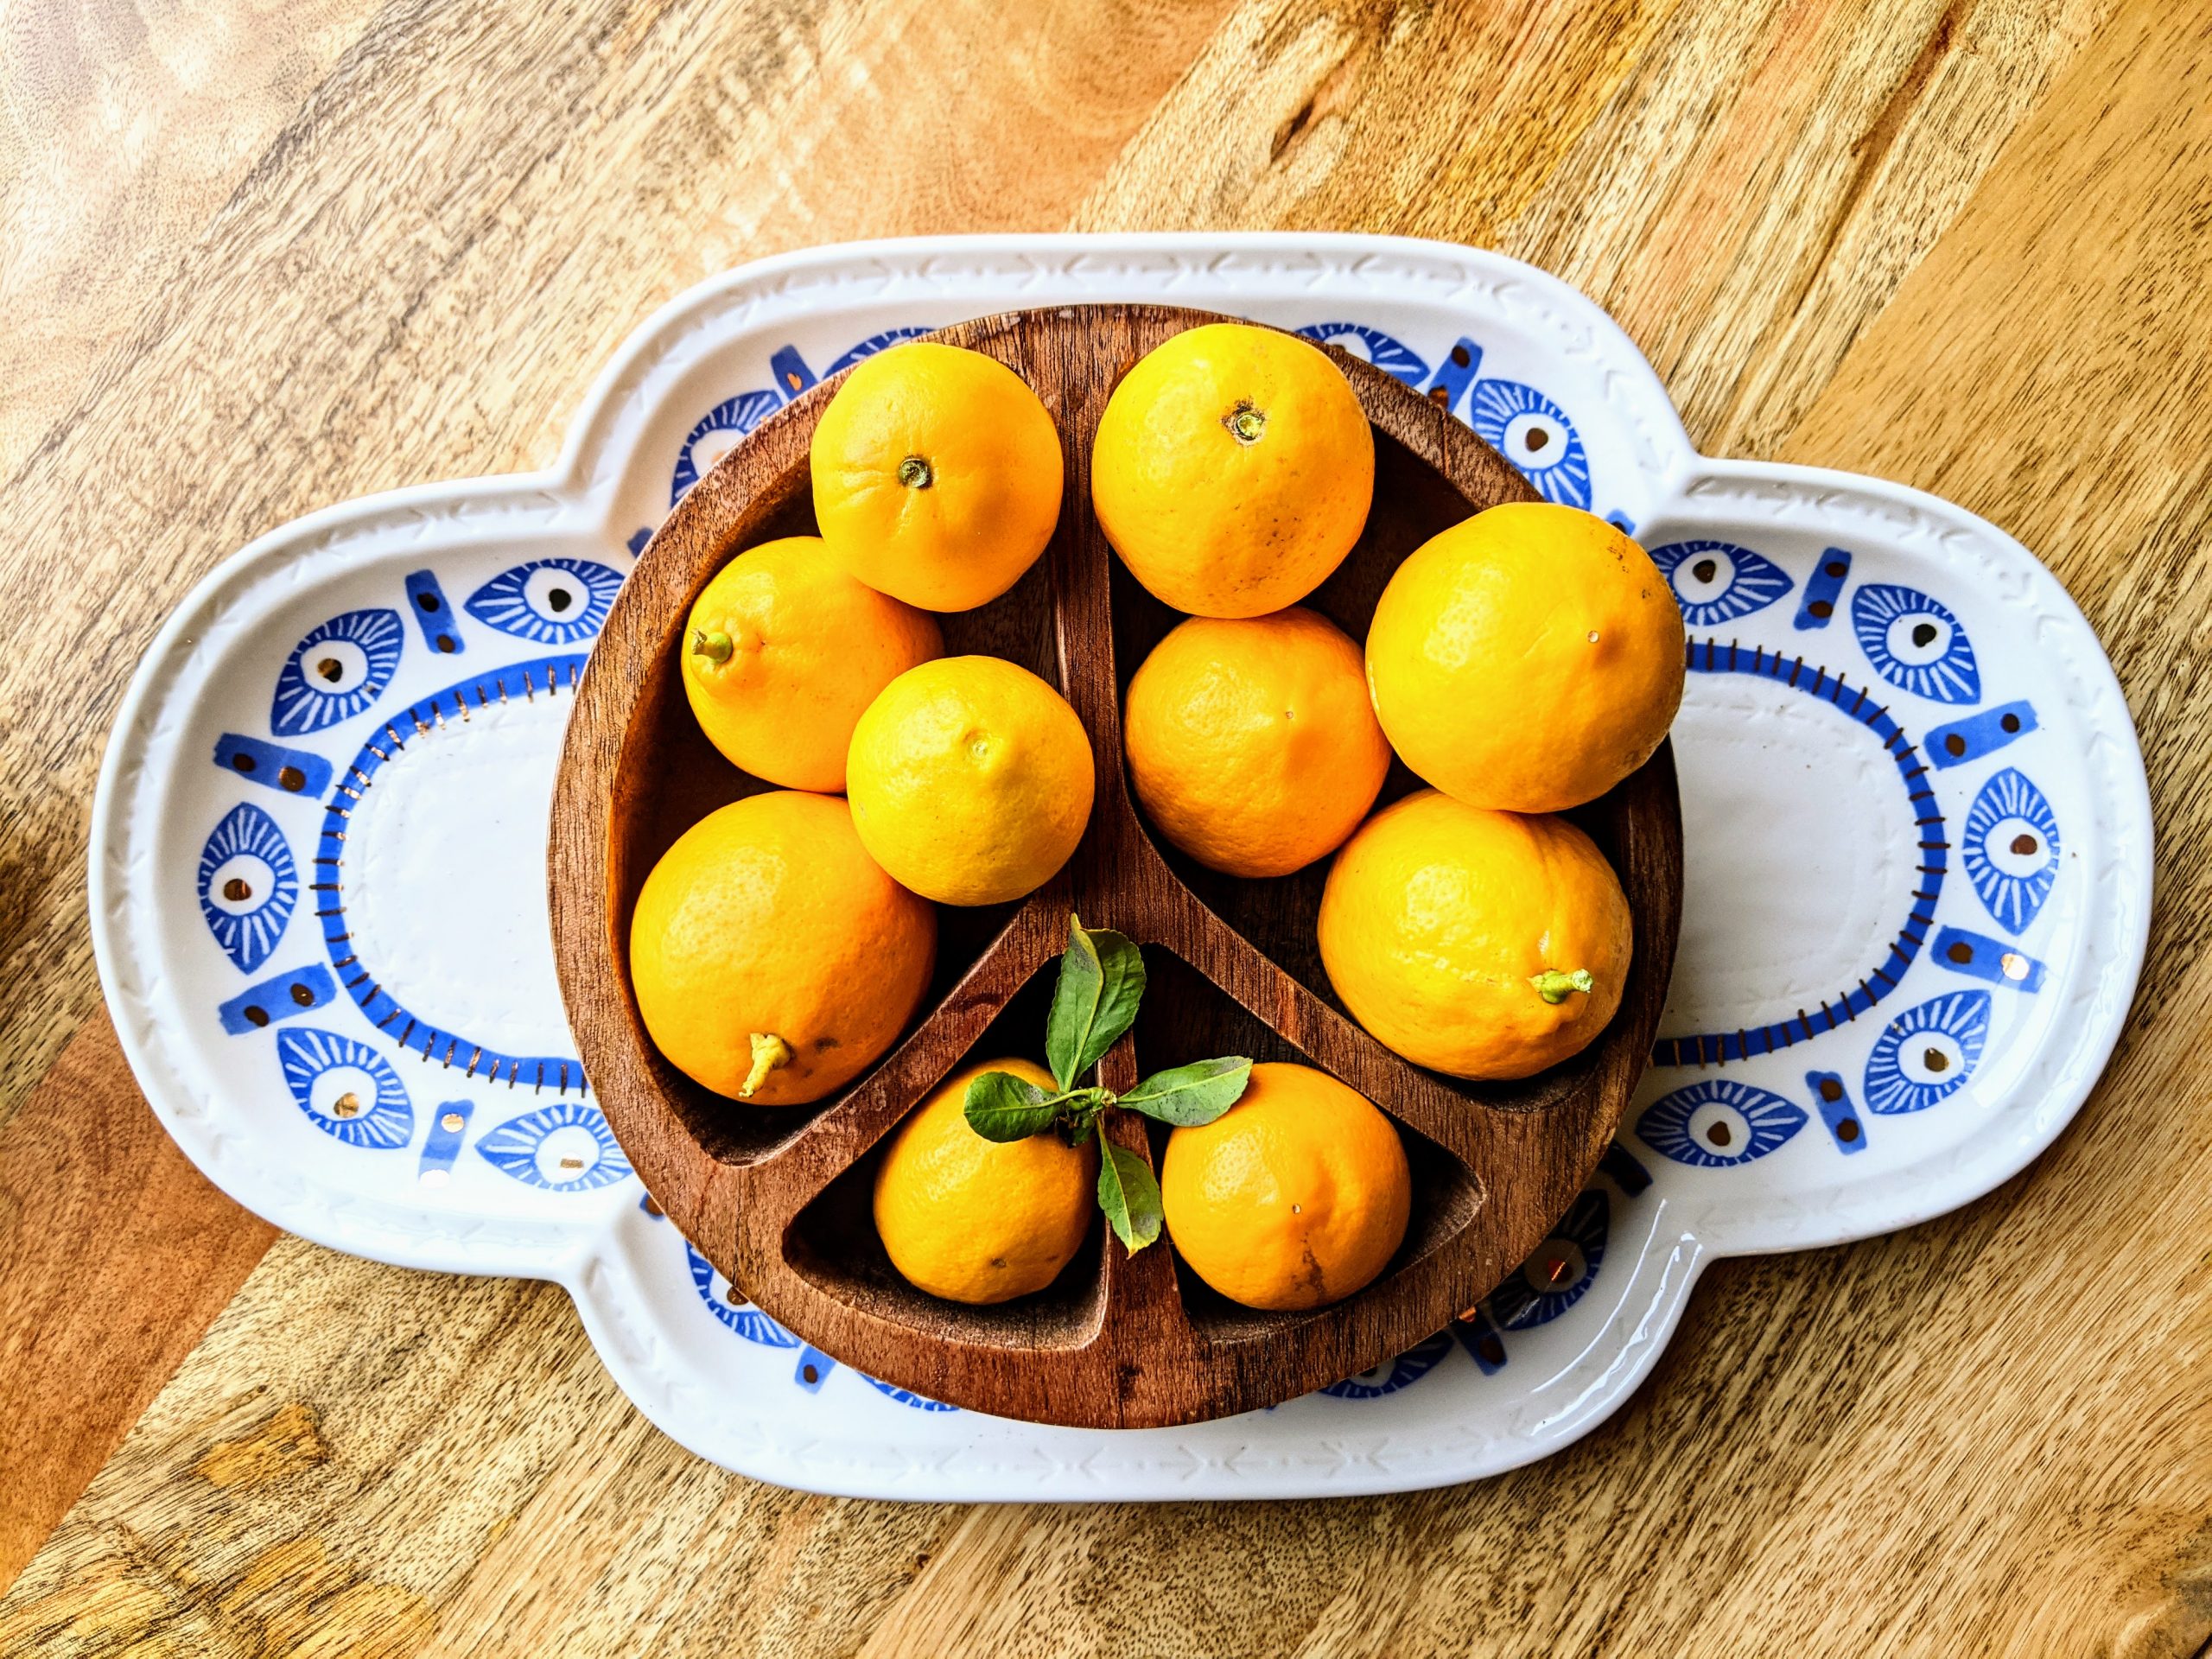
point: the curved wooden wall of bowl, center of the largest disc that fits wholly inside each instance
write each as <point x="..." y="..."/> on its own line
<point x="778" y="1199"/>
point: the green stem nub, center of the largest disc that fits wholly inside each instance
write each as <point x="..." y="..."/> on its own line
<point x="716" y="647"/>
<point x="914" y="472"/>
<point x="1553" y="985"/>
<point x="1245" y="423"/>
<point x="769" y="1051"/>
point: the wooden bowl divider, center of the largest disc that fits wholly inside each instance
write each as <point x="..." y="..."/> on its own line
<point x="777" y="1199"/>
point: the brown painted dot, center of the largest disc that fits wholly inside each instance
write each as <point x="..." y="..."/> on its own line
<point x="445" y="643"/>
<point x="1847" y="1131"/>
<point x="1831" y="1090"/>
<point x="241" y="762"/>
<point x="1705" y="569"/>
<point x="1537" y="438"/>
<point x="1835" y="570"/>
<point x="1822" y="608"/>
<point x="1441" y="396"/>
<point x="302" y="995"/>
<point x="2024" y="844"/>
<point x="1491" y="1350"/>
<point x="1960" y="952"/>
<point x="237" y="891"/>
<point x="292" y="778"/>
<point x="428" y="601"/>
<point x="1935" y="1059"/>
<point x="451" y="1123"/>
<point x="1955" y="745"/>
<point x="811" y="1373"/>
<point x="1924" y="633"/>
<point x="560" y="598"/>
<point x="331" y="669"/>
<point x="256" y="1016"/>
<point x="733" y="1297"/>
<point x="653" y="1207"/>
<point x="1460" y="358"/>
<point x="2010" y="722"/>
<point x="346" y="1105"/>
<point x="791" y="379"/>
<point x="1718" y="1133"/>
<point x="572" y="1163"/>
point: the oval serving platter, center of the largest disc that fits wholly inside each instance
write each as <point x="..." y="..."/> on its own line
<point x="1915" y="899"/>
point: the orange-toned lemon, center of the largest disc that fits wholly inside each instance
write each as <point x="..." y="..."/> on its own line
<point x="1252" y="744"/>
<point x="980" y="1221"/>
<point x="1295" y="1196"/>
<point x="1485" y="944"/>
<point x="971" y="780"/>
<point x="937" y="475"/>
<point x="1529" y="658"/>
<point x="782" y="653"/>
<point x="1233" y="469"/>
<point x="772" y="959"/>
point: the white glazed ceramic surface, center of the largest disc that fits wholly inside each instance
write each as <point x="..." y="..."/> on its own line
<point x="1917" y="827"/>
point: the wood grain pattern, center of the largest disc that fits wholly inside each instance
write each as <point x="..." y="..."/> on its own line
<point x="1958" y="241"/>
<point x="771" y="1197"/>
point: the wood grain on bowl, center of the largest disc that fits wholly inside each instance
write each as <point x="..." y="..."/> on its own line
<point x="777" y="1199"/>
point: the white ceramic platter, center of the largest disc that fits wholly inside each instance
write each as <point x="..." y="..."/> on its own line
<point x="1918" y="833"/>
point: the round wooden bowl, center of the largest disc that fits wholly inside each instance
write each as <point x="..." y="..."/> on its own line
<point x="778" y="1197"/>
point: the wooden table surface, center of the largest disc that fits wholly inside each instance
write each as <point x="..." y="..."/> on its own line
<point x="275" y="252"/>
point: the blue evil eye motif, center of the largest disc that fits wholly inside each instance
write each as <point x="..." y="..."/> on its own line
<point x="563" y="1147"/>
<point x="248" y="885"/>
<point x="1561" y="1271"/>
<point x="346" y="1089"/>
<point x="2011" y="849"/>
<point x="904" y="1396"/>
<point x="1716" y="1124"/>
<point x="874" y="343"/>
<point x="1926" y="1053"/>
<point x="340" y="668"/>
<point x="1385" y="352"/>
<point x="724" y="1301"/>
<point x="1718" y="582"/>
<point x="1533" y="433"/>
<point x="1392" y="1375"/>
<point x="1915" y="644"/>
<point x="716" y="435"/>
<point x="550" y="601"/>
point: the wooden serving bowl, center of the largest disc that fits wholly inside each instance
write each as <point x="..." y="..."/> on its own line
<point x="778" y="1197"/>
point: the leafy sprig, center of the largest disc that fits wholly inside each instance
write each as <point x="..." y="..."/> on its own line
<point x="1102" y="981"/>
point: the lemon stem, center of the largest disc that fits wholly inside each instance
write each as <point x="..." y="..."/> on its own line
<point x="1245" y="423"/>
<point x="1553" y="985"/>
<point x="769" y="1051"/>
<point x="714" y="647"/>
<point x="914" y="472"/>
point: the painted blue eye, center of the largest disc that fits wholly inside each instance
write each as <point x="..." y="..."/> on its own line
<point x="1915" y="644"/>
<point x="340" y="668"/>
<point x="1392" y="1375"/>
<point x="724" y="1302"/>
<point x="346" y="1089"/>
<point x="1927" y="1053"/>
<point x="1718" y="582"/>
<point x="566" y="1147"/>
<point x="551" y="601"/>
<point x="1533" y="433"/>
<point x="1385" y="352"/>
<point x="2011" y="849"/>
<point x="248" y="885"/>
<point x="1716" y="1124"/>
<point x="874" y="343"/>
<point x="716" y="435"/>
<point x="1561" y="1270"/>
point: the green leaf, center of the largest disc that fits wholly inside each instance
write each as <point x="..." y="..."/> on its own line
<point x="1191" y="1095"/>
<point x="1130" y="1195"/>
<point x="1001" y="1107"/>
<point x="1101" y="978"/>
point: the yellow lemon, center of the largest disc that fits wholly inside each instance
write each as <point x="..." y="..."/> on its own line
<point x="1529" y="658"/>
<point x="771" y="958"/>
<point x="1484" y="944"/>
<point x="981" y="1221"/>
<point x="782" y="653"/>
<point x="1233" y="469"/>
<point x="971" y="780"/>
<point x="937" y="475"/>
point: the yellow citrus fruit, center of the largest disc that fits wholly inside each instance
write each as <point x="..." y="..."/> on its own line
<point x="1528" y="658"/>
<point x="973" y="1220"/>
<point x="772" y="959"/>
<point x="1295" y="1196"/>
<point x="937" y="475"/>
<point x="1463" y="938"/>
<point x="971" y="780"/>
<point x="782" y="653"/>
<point x="1233" y="469"/>
<point x="1252" y="744"/>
